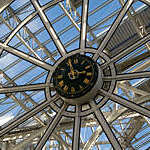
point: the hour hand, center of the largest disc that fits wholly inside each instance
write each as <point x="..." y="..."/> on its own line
<point x="81" y="72"/>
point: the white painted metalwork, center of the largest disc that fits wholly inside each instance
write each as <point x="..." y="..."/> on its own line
<point x="120" y="97"/>
<point x="84" y="24"/>
<point x="50" y="29"/>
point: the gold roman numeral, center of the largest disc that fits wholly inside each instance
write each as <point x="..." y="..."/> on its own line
<point x="81" y="87"/>
<point x="89" y="73"/>
<point x="72" y="90"/>
<point x="66" y="88"/>
<point x="61" y="83"/>
<point x="87" y="67"/>
<point x="59" y="76"/>
<point x="86" y="81"/>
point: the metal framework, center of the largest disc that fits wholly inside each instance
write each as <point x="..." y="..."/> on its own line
<point x="36" y="36"/>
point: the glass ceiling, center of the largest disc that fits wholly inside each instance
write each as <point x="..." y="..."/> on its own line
<point x="36" y="35"/>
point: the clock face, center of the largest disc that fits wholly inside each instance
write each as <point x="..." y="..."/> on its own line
<point x="75" y="76"/>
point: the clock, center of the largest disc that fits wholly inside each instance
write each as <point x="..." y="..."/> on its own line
<point x="75" y="76"/>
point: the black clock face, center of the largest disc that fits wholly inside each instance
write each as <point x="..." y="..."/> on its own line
<point x="75" y="76"/>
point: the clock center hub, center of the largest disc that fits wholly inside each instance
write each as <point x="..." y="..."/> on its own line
<point x="73" y="75"/>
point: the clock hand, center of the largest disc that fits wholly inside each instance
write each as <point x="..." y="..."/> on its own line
<point x="71" y="68"/>
<point x="70" y="64"/>
<point x="81" y="72"/>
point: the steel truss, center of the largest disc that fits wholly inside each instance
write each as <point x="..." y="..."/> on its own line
<point x="119" y="115"/>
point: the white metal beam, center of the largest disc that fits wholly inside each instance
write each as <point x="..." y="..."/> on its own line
<point x="23" y="88"/>
<point x="21" y="39"/>
<point x="27" y="19"/>
<point x="23" y="106"/>
<point x="128" y="50"/>
<point x="128" y="76"/>
<point x="84" y="24"/>
<point x="17" y="121"/>
<point x="77" y="127"/>
<point x="51" y="126"/>
<point x="50" y="28"/>
<point x="112" y="117"/>
<point x="106" y="128"/>
<point x="127" y="103"/>
<point x="113" y="27"/>
<point x="17" y="19"/>
<point x="26" y="57"/>
<point x="69" y="16"/>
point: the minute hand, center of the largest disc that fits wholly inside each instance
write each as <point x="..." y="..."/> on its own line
<point x="71" y="67"/>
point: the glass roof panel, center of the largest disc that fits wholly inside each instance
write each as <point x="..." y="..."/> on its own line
<point x="37" y="35"/>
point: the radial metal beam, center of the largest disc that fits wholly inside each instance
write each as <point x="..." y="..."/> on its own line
<point x="23" y="88"/>
<point x="17" y="121"/>
<point x="51" y="126"/>
<point x="51" y="3"/>
<point x="112" y="117"/>
<point x="21" y="39"/>
<point x="77" y="127"/>
<point x="127" y="103"/>
<point x="17" y="19"/>
<point x="27" y="19"/>
<point x="75" y="23"/>
<point x="84" y="24"/>
<point x="23" y="106"/>
<point x="128" y="76"/>
<point x="27" y="97"/>
<point x="50" y="28"/>
<point x="26" y="57"/>
<point x="128" y="50"/>
<point x="113" y="27"/>
<point x="106" y="128"/>
<point x="55" y="135"/>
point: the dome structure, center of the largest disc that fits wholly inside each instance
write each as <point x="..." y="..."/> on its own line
<point x="74" y="75"/>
